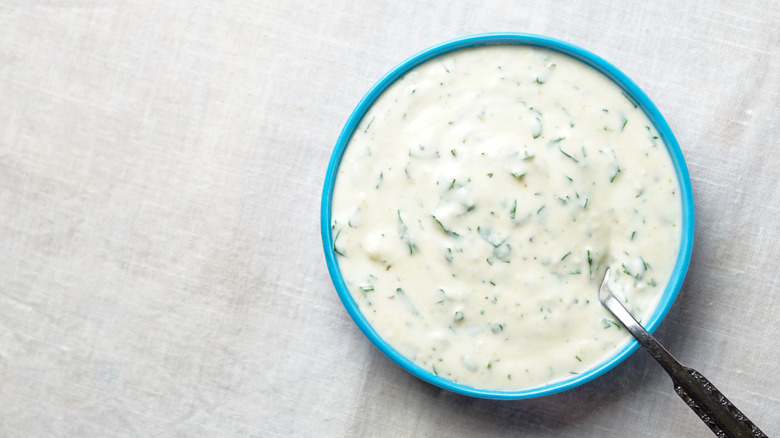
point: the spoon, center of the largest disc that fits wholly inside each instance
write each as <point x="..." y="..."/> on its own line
<point x="707" y="402"/>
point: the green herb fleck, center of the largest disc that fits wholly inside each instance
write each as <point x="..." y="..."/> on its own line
<point x="519" y="176"/>
<point x="405" y="235"/>
<point x="513" y="211"/>
<point x="564" y="153"/>
<point x="369" y="125"/>
<point x="652" y="282"/>
<point x="335" y="249"/>
<point x="540" y="209"/>
<point x="458" y="316"/>
<point x="445" y="229"/>
<point x="629" y="99"/>
<point x="615" y="175"/>
<point x="590" y="265"/>
<point x="566" y="255"/>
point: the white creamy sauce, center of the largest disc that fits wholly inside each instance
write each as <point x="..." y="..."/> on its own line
<point x="479" y="202"/>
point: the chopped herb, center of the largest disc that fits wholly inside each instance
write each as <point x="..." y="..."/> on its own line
<point x="652" y="282"/>
<point x="540" y="209"/>
<point x="626" y="271"/>
<point x="335" y="249"/>
<point x="349" y="222"/>
<point x="566" y="255"/>
<point x="489" y="237"/>
<point x="402" y="296"/>
<point x="454" y="154"/>
<point x="578" y="359"/>
<point x="590" y="265"/>
<point x="624" y="124"/>
<point x="490" y="175"/>
<point x="558" y="140"/>
<point x="519" y="176"/>
<point x="369" y="125"/>
<point x="615" y="175"/>
<point x="528" y="156"/>
<point x="458" y="316"/>
<point x="405" y="235"/>
<point x="564" y="153"/>
<point x="633" y="234"/>
<point x="452" y="184"/>
<point x="537" y="132"/>
<point x="445" y="229"/>
<point x="629" y="99"/>
<point x="513" y="211"/>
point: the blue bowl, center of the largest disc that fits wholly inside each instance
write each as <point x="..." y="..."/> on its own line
<point x="630" y="88"/>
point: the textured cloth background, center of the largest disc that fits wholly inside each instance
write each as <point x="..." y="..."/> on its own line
<point x="161" y="165"/>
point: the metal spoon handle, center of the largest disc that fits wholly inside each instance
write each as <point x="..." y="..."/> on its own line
<point x="714" y="409"/>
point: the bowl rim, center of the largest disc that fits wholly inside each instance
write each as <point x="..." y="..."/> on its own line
<point x="629" y="88"/>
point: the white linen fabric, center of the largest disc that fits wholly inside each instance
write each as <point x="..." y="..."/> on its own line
<point x="161" y="167"/>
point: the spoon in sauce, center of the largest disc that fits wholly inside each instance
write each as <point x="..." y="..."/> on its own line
<point x="704" y="399"/>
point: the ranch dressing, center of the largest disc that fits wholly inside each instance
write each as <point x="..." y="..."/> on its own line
<point x="479" y="202"/>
